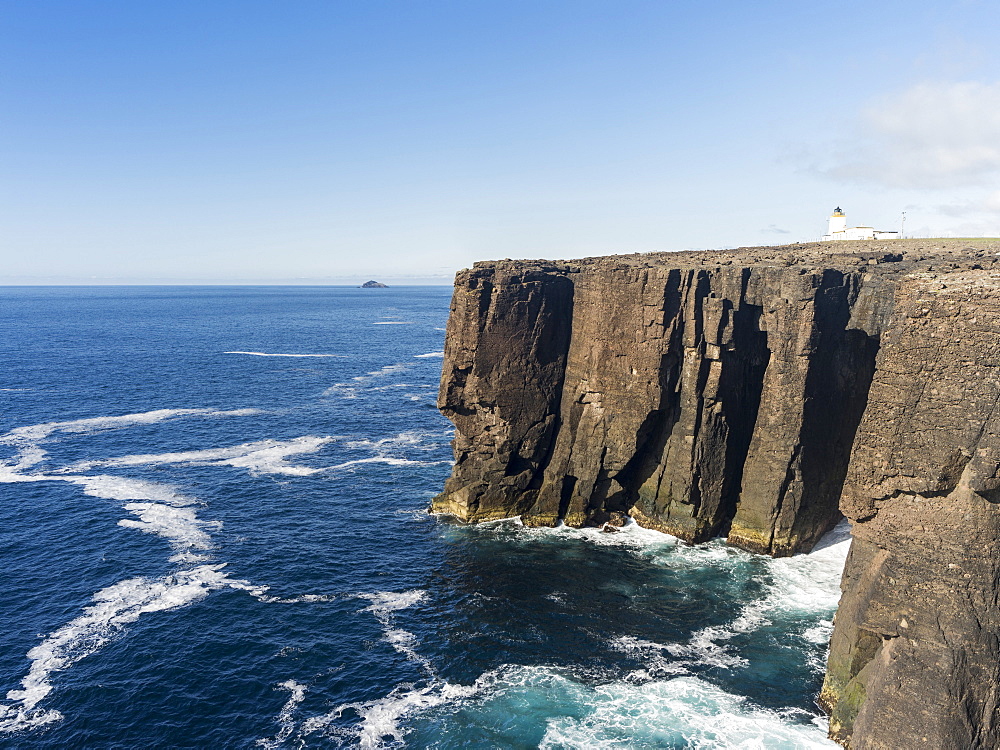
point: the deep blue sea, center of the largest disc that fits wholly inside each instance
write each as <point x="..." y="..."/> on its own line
<point x="213" y="533"/>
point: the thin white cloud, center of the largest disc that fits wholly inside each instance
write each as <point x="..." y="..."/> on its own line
<point x="931" y="135"/>
<point x="988" y="205"/>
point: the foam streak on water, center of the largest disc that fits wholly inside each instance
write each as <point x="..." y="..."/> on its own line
<point x="166" y="513"/>
<point x="380" y="718"/>
<point x="267" y="354"/>
<point x="113" y="608"/>
<point x="286" y="718"/>
<point x="27" y="440"/>
<point x="259" y="457"/>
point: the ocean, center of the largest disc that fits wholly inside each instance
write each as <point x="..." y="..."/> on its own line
<point x="213" y="533"/>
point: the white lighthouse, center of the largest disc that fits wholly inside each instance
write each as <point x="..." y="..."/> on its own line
<point x="840" y="231"/>
<point x="838" y="223"/>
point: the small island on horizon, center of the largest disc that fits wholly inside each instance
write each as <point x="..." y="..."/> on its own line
<point x="374" y="285"/>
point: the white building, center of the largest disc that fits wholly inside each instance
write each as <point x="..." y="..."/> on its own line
<point x="840" y="231"/>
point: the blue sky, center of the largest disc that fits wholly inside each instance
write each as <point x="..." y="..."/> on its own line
<point x="322" y="142"/>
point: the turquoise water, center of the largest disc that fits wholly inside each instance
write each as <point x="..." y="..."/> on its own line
<point x="213" y="532"/>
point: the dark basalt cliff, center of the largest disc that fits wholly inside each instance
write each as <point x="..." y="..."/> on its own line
<point x="761" y="393"/>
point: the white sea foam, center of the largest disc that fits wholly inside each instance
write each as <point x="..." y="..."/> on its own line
<point x="180" y="526"/>
<point x="245" y="412"/>
<point x="669" y="713"/>
<point x="660" y="706"/>
<point x="344" y="390"/>
<point x="680" y="711"/>
<point x="259" y="592"/>
<point x="393" y="322"/>
<point x="114" y="607"/>
<point x="811" y="582"/>
<point x="707" y="646"/>
<point x="37" y="432"/>
<point x="286" y="718"/>
<point x="388" y="460"/>
<point x="382" y="372"/>
<point x="269" y="354"/>
<point x="164" y="512"/>
<point x="351" y="390"/>
<point x="656" y="662"/>
<point x="429" y="354"/>
<point x="10" y="474"/>
<point x="110" y="487"/>
<point x="384" y="447"/>
<point x="819" y="633"/>
<point x="406" y="439"/>
<point x="384" y="603"/>
<point x="630" y="535"/>
<point x="301" y="599"/>
<point x="406" y="643"/>
<point x="380" y="718"/>
<point x="26" y="440"/>
<point x="155" y="508"/>
<point x="259" y="457"/>
<point x="807" y="584"/>
<point x="641" y="541"/>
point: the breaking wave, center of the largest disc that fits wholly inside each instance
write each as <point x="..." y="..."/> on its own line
<point x="801" y="584"/>
<point x="509" y="705"/>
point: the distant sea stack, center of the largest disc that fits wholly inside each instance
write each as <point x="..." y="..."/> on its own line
<point x="374" y="285"/>
<point x="762" y="394"/>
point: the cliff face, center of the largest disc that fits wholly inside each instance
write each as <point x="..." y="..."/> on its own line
<point x="718" y="393"/>
<point x="915" y="653"/>
<point x="761" y="393"/>
<point x="505" y="357"/>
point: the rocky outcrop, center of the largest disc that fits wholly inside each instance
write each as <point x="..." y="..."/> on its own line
<point x="760" y="393"/>
<point x="505" y="356"/>
<point x="702" y="393"/>
<point x="915" y="654"/>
